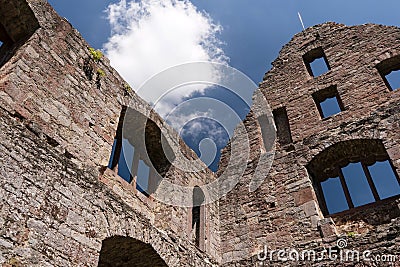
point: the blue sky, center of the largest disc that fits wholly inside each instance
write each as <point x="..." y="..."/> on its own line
<point x="253" y="32"/>
<point x="246" y="34"/>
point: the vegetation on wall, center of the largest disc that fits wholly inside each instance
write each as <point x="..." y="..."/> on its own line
<point x="90" y="64"/>
<point x="128" y="89"/>
<point x="96" y="54"/>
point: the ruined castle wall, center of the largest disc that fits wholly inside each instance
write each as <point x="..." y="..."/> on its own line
<point x="59" y="201"/>
<point x="284" y="212"/>
<point x="55" y="213"/>
<point x="45" y="83"/>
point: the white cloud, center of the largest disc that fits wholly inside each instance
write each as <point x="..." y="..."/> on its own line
<point x="178" y="120"/>
<point x="191" y="123"/>
<point x="207" y="134"/>
<point x="199" y="108"/>
<point x="151" y="35"/>
<point x="214" y="131"/>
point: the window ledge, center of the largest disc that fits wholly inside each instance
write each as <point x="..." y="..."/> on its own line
<point x="112" y="180"/>
<point x="365" y="207"/>
<point x="334" y="115"/>
<point x="322" y="76"/>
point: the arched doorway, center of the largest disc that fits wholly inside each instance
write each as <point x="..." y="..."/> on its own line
<point x="119" y="251"/>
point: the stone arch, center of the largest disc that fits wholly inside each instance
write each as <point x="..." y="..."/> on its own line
<point x="343" y="152"/>
<point x="314" y="145"/>
<point x="386" y="66"/>
<point x="17" y="24"/>
<point x="127" y="251"/>
<point x="120" y="226"/>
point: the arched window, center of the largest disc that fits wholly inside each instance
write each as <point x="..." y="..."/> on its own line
<point x="198" y="217"/>
<point x="127" y="251"/>
<point x="137" y="154"/>
<point x="353" y="173"/>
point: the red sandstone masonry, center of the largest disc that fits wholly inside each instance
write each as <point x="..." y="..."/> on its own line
<point x="44" y="85"/>
<point x="248" y="221"/>
<point x="57" y="128"/>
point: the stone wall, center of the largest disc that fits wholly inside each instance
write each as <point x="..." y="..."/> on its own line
<point x="56" y="213"/>
<point x="62" y="206"/>
<point x="60" y="117"/>
<point x="284" y="212"/>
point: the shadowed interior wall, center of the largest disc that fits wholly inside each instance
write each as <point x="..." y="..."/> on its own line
<point x="128" y="252"/>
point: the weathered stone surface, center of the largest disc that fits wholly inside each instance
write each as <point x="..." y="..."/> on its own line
<point x="61" y="206"/>
<point x="58" y="199"/>
<point x="371" y="112"/>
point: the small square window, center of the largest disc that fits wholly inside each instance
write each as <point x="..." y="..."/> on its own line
<point x="389" y="69"/>
<point x="318" y="67"/>
<point x="328" y="102"/>
<point x="330" y="106"/>
<point x="316" y="62"/>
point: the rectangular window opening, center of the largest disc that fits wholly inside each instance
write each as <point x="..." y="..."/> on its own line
<point x="117" y="145"/>
<point x="198" y="219"/>
<point x="385" y="179"/>
<point x="125" y="161"/>
<point x="196" y="224"/>
<point x="328" y="102"/>
<point x="357" y="183"/>
<point x="110" y="163"/>
<point x="282" y="126"/>
<point x="335" y="198"/>
<point x="316" y="62"/>
<point x="142" y="179"/>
